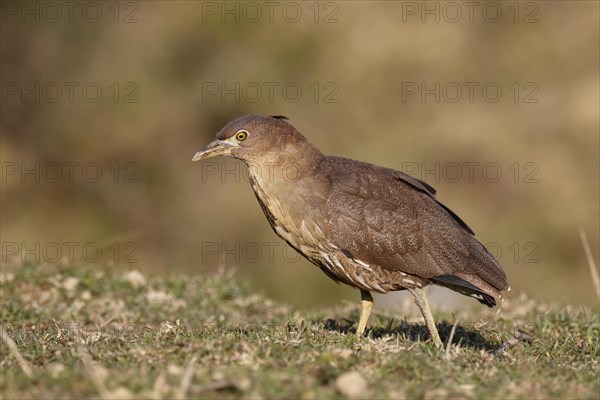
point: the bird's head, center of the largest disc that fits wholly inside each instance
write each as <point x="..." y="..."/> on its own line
<point x="256" y="139"/>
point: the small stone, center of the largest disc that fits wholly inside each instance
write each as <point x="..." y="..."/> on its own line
<point x="135" y="278"/>
<point x="352" y="385"/>
<point x="56" y="369"/>
<point x="244" y="384"/>
<point x="158" y="297"/>
<point x="173" y="369"/>
<point x="344" y="354"/>
<point x="218" y="376"/>
<point x="164" y="299"/>
<point x="434" y="394"/>
<point x="6" y="277"/>
<point x="70" y="283"/>
<point x="121" y="393"/>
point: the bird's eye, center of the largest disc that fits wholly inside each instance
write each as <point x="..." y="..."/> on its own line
<point x="241" y="135"/>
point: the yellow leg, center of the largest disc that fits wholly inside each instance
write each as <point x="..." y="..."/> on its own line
<point x="366" y="304"/>
<point x="423" y="304"/>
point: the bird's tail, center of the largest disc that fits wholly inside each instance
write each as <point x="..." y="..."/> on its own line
<point x="469" y="286"/>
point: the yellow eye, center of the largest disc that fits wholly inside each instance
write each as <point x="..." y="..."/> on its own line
<point x="241" y="135"/>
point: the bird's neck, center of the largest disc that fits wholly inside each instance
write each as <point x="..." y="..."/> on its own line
<point x="297" y="163"/>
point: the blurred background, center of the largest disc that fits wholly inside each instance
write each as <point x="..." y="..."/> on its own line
<point x="104" y="104"/>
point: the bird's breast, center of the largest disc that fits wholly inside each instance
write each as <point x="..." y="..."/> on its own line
<point x="293" y="212"/>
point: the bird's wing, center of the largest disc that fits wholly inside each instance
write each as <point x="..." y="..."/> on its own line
<point x="424" y="187"/>
<point x="390" y="219"/>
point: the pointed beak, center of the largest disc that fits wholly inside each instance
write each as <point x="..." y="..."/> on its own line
<point x="215" y="148"/>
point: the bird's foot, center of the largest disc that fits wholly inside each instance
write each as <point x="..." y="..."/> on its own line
<point x="423" y="304"/>
<point x="366" y="304"/>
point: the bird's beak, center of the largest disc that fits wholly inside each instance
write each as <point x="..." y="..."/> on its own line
<point x="215" y="148"/>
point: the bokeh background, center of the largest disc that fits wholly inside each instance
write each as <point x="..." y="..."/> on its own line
<point x="172" y="73"/>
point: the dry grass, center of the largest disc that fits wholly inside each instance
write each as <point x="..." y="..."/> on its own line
<point x="591" y="262"/>
<point x="88" y="333"/>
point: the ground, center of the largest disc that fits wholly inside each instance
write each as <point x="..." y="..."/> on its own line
<point x="77" y="332"/>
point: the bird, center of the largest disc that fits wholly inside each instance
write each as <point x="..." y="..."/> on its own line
<point x="370" y="227"/>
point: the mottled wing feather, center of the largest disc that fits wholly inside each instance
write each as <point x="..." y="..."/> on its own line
<point x="424" y="187"/>
<point x="390" y="219"/>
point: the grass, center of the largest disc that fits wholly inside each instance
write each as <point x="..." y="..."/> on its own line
<point x="89" y="333"/>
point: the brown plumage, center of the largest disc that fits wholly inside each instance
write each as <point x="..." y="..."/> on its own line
<point x="370" y="227"/>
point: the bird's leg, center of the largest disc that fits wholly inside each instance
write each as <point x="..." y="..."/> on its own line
<point x="366" y="304"/>
<point x="423" y="304"/>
